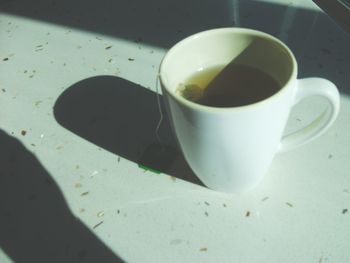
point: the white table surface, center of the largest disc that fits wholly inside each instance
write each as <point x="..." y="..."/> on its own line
<point x="78" y="110"/>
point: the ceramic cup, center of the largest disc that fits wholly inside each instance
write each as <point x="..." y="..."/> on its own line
<point x="230" y="149"/>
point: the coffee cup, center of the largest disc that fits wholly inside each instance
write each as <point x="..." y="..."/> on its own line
<point x="231" y="146"/>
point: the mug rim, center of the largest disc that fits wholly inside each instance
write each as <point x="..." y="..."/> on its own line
<point x="253" y="32"/>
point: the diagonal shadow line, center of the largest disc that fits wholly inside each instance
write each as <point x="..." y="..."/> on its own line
<point x="313" y="37"/>
<point x="36" y="224"/>
<point x="121" y="117"/>
<point x="156" y="22"/>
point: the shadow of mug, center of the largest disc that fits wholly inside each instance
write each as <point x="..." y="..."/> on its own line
<point x="122" y="117"/>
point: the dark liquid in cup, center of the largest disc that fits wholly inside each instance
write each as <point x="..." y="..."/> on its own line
<point x="228" y="86"/>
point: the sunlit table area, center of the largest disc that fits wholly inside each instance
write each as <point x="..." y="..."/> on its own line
<point x="82" y="178"/>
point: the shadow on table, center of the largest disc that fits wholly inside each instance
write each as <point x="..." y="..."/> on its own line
<point x="36" y="224"/>
<point x="122" y="117"/>
<point x="320" y="46"/>
<point x="156" y="22"/>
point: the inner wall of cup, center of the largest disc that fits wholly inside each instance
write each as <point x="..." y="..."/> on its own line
<point x="221" y="48"/>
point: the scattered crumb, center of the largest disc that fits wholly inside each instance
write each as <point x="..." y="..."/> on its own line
<point x="118" y="211"/>
<point x="330" y="156"/>
<point x="77" y="166"/>
<point x="110" y="60"/>
<point x="60" y="147"/>
<point x="3" y="90"/>
<point x="78" y="185"/>
<point x="118" y="160"/>
<point x="32" y="144"/>
<point x="131" y="59"/>
<point x="346" y="191"/>
<point x="289" y="204"/>
<point x="97" y="225"/>
<point x="98" y="38"/>
<point x="23" y="132"/>
<point x="85" y="193"/>
<point x="206" y="213"/>
<point x="5" y="59"/>
<point x="247" y="214"/>
<point x="265" y="199"/>
<point x="205" y="202"/>
<point x="344" y="211"/>
<point x="81" y="210"/>
<point x="224" y="205"/>
<point x="93" y="173"/>
<point x="108" y="47"/>
<point x="37" y="103"/>
<point x="100" y="214"/>
<point x="203" y="249"/>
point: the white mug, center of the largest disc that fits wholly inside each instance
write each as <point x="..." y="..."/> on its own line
<point x="231" y="148"/>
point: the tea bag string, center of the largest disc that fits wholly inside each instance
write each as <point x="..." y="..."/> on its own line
<point x="161" y="115"/>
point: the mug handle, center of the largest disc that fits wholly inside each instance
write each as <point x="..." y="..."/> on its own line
<point x="313" y="87"/>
